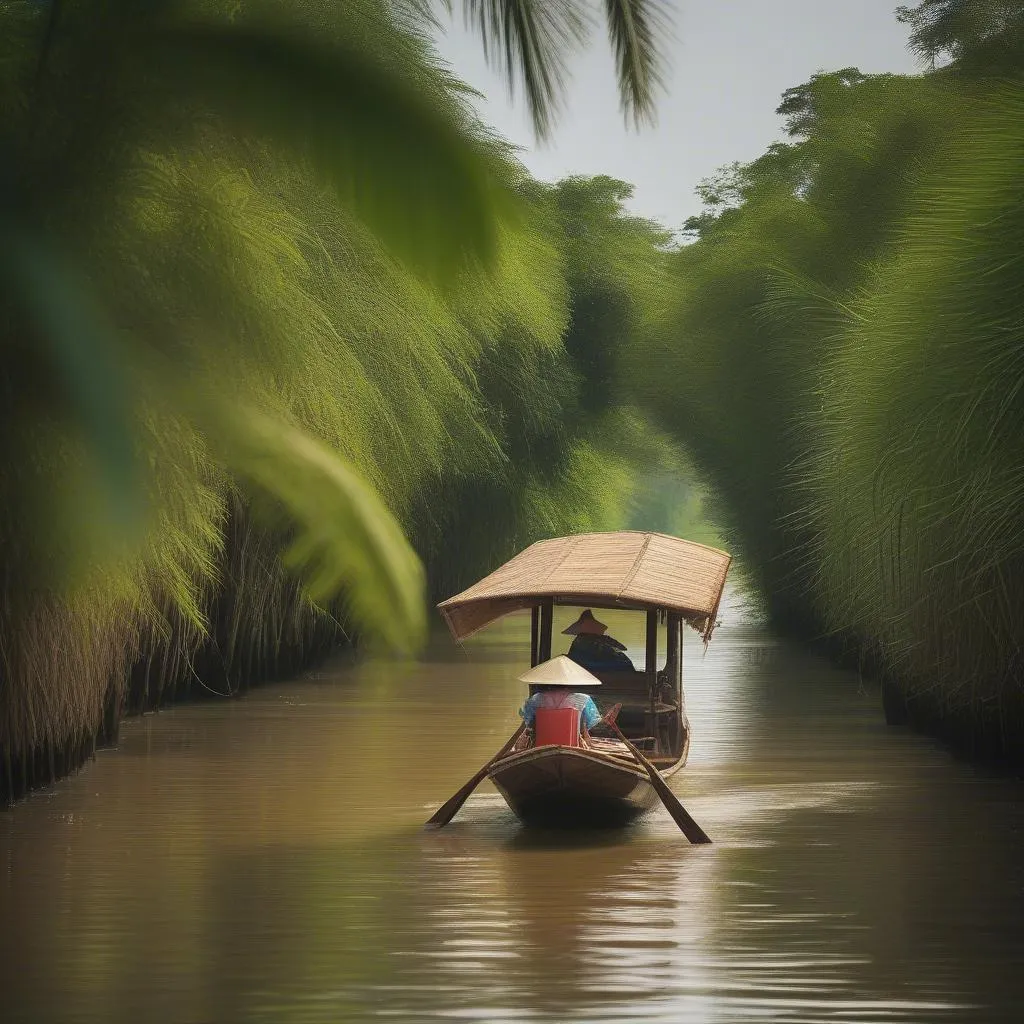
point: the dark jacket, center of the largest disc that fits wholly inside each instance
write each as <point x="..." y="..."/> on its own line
<point x="595" y="653"/>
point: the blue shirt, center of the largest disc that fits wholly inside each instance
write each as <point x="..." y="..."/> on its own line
<point x="589" y="715"/>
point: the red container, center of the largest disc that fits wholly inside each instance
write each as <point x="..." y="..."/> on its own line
<point x="556" y="727"/>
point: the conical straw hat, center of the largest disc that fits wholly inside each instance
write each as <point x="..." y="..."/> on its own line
<point x="586" y="623"/>
<point x="560" y="671"/>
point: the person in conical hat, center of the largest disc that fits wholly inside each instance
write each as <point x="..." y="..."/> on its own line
<point x="559" y="681"/>
<point x="593" y="648"/>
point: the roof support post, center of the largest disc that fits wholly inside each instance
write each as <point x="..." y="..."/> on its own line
<point x="674" y="658"/>
<point x="651" y="665"/>
<point x="546" y="609"/>
<point x="535" y="636"/>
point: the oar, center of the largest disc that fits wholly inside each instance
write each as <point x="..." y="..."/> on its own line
<point x="682" y="818"/>
<point x="451" y="806"/>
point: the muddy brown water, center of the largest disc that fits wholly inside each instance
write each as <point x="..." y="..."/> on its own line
<point x="261" y="861"/>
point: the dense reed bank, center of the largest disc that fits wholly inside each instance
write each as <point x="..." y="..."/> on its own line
<point x="297" y="375"/>
<point x="842" y="341"/>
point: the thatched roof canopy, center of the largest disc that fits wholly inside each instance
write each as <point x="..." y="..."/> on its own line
<point x="603" y="570"/>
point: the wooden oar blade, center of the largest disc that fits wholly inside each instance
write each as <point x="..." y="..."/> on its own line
<point x="680" y="815"/>
<point x="452" y="805"/>
<point x="450" y="808"/>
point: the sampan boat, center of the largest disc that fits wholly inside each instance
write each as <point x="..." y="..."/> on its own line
<point x="672" y="581"/>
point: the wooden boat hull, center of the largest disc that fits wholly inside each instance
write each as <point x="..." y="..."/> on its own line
<point x="573" y="786"/>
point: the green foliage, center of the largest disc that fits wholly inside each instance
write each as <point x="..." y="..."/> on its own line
<point x="240" y="313"/>
<point x="980" y="35"/>
<point x="918" y="482"/>
<point x="840" y="351"/>
<point x="356" y="548"/>
<point x="110" y="89"/>
<point x="565" y="454"/>
<point x="613" y="262"/>
<point x="729" y="362"/>
<point x="637" y="30"/>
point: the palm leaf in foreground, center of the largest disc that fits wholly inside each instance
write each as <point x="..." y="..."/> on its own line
<point x="634" y="29"/>
<point x="343" y="537"/>
<point x="530" y="41"/>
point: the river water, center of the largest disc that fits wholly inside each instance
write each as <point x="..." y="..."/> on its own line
<point x="261" y="860"/>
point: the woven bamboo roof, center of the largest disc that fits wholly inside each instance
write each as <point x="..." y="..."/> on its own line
<point x="605" y="570"/>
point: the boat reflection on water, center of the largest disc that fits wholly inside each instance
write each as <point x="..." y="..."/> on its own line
<point x="584" y="923"/>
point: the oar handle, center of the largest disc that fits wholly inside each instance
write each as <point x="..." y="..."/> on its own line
<point x="611" y="715"/>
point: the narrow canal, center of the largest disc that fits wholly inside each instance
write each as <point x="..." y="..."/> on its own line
<point x="262" y="861"/>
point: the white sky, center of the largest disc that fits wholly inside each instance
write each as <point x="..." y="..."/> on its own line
<point x="730" y="62"/>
